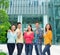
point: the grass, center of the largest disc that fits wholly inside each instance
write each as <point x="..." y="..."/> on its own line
<point x="2" y="53"/>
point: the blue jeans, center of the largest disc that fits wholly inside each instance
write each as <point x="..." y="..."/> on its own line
<point x="46" y="49"/>
<point x="38" y="49"/>
<point x="11" y="47"/>
<point x="19" y="48"/>
<point x="28" y="49"/>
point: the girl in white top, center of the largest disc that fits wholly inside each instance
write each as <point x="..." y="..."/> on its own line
<point x="11" y="35"/>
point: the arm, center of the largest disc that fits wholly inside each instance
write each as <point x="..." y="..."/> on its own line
<point x="32" y="36"/>
<point x="40" y="34"/>
<point x="8" y="35"/>
<point x="18" y="33"/>
<point x="16" y="36"/>
<point x="50" y="35"/>
<point x="24" y="35"/>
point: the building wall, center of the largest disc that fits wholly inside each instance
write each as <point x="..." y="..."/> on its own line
<point x="28" y="7"/>
<point x="48" y="9"/>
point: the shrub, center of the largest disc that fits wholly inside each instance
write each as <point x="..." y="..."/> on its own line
<point x="2" y="53"/>
<point x="4" y="25"/>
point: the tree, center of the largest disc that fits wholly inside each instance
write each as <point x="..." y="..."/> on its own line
<point x="4" y="4"/>
<point x="3" y="16"/>
<point x="4" y="20"/>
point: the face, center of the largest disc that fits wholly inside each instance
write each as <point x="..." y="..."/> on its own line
<point x="37" y="25"/>
<point x="48" y="26"/>
<point x="19" y="26"/>
<point x="13" y="27"/>
<point x="29" y="28"/>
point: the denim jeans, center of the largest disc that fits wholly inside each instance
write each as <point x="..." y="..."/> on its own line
<point x="11" y="47"/>
<point x="38" y="49"/>
<point x="28" y="49"/>
<point x="19" y="48"/>
<point x="46" y="49"/>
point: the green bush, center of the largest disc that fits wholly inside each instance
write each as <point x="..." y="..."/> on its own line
<point x="4" y="25"/>
<point x="2" y="53"/>
<point x="4" y="20"/>
<point x="3" y="31"/>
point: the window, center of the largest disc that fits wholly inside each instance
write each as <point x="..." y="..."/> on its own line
<point x="35" y="3"/>
<point x="10" y="3"/>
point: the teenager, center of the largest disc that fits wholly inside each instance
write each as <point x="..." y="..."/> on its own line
<point x="28" y="37"/>
<point x="38" y="35"/>
<point x="19" y="39"/>
<point x="47" y="39"/>
<point x="11" y="36"/>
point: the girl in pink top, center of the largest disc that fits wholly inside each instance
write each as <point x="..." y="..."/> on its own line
<point x="28" y="37"/>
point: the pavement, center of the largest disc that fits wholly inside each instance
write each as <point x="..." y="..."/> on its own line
<point x="55" y="50"/>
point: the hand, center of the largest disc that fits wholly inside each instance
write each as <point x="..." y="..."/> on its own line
<point x="9" y="30"/>
<point x="37" y="32"/>
<point x="44" y="35"/>
<point x="19" y="34"/>
<point x="18" y="37"/>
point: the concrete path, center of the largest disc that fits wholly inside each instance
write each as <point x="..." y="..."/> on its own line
<point x="55" y="50"/>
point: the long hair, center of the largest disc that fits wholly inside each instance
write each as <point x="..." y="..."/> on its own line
<point x="12" y="25"/>
<point x="49" y="28"/>
<point x="31" y="27"/>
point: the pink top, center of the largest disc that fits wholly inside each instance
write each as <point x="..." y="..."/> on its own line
<point x="28" y="37"/>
